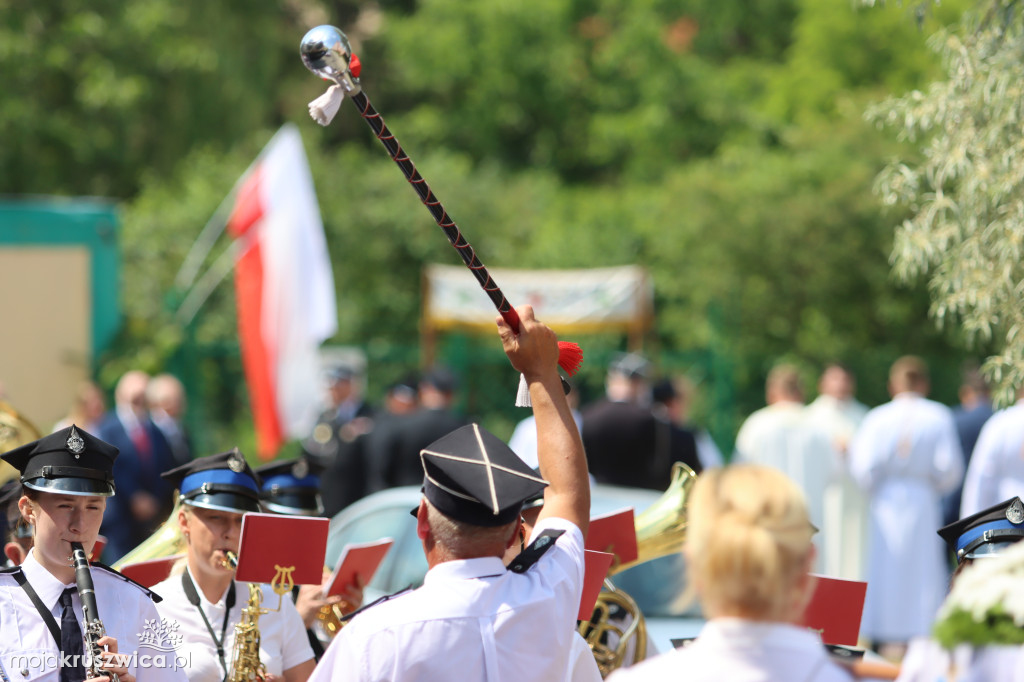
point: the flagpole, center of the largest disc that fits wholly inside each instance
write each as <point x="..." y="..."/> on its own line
<point x="214" y="227"/>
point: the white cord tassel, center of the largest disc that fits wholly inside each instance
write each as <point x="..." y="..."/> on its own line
<point x="523" y="394"/>
<point x="324" y="107"/>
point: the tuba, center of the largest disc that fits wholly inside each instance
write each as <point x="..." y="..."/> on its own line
<point x="660" y="531"/>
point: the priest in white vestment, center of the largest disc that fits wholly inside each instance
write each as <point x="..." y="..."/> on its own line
<point x="782" y="437"/>
<point x="838" y="414"/>
<point x="906" y="456"/>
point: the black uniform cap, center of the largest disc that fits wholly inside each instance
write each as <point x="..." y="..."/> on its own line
<point x="470" y="475"/>
<point x="68" y="462"/>
<point x="223" y="481"/>
<point x="986" y="533"/>
<point x="630" y="365"/>
<point x="292" y="487"/>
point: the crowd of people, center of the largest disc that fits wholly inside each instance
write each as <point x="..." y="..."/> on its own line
<point x="831" y="487"/>
<point x="881" y="482"/>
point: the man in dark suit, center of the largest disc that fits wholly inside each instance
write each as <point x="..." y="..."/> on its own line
<point x="166" y="397"/>
<point x="143" y="498"/>
<point x="626" y="443"/>
<point x="395" y="447"/>
<point x="337" y="443"/>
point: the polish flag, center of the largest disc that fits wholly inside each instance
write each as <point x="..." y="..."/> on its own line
<point x="284" y="290"/>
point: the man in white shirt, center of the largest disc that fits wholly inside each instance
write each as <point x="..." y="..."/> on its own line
<point x="906" y="456"/>
<point x="996" y="471"/>
<point x="473" y="618"/>
<point x="782" y="437"/>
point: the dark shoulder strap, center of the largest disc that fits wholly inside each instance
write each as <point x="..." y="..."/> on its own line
<point x="315" y="644"/>
<point x="44" y="613"/>
<point x="349" y="616"/>
<point x="149" y="593"/>
<point x="532" y="554"/>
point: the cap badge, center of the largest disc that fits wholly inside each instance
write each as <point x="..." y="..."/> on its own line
<point x="77" y="446"/>
<point x="1015" y="512"/>
<point x="236" y="464"/>
<point x="300" y="469"/>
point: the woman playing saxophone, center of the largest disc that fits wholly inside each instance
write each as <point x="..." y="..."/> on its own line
<point x="205" y="600"/>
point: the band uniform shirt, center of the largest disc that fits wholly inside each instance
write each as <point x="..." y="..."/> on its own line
<point x="28" y="652"/>
<point x="283" y="640"/>
<point x="742" y="651"/>
<point x="472" y="619"/>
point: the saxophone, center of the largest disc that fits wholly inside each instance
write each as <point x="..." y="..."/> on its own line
<point x="246" y="665"/>
<point x="93" y="625"/>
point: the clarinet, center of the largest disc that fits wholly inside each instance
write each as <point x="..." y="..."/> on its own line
<point x="93" y="625"/>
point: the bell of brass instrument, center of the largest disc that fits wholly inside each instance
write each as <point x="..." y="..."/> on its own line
<point x="617" y="625"/>
<point x="94" y="630"/>
<point x="166" y="541"/>
<point x="15" y="431"/>
<point x="246" y="665"/>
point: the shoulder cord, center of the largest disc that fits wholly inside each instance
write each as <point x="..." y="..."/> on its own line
<point x="193" y="597"/>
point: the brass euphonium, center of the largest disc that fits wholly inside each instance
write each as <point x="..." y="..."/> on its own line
<point x="660" y="531"/>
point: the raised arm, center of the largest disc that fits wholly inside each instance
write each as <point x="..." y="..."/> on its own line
<point x="534" y="352"/>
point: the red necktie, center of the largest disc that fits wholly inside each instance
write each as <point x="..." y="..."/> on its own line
<point x="141" y="441"/>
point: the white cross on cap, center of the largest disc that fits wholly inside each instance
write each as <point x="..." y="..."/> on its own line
<point x="488" y="465"/>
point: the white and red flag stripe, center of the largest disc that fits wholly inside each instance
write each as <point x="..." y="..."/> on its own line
<point x="284" y="290"/>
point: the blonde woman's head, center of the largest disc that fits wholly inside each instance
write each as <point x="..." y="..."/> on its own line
<point x="748" y="544"/>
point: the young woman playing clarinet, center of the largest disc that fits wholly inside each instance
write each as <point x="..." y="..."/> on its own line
<point x="58" y="624"/>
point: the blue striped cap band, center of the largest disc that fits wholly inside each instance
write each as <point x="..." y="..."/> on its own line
<point x="215" y="477"/>
<point x="976" y="532"/>
<point x="289" y="481"/>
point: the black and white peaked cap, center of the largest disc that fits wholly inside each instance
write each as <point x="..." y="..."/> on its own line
<point x="472" y="476"/>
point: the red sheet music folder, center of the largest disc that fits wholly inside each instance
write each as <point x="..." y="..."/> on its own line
<point x="615" y="533"/>
<point x="152" y="571"/>
<point x="835" y="610"/>
<point x="357" y="559"/>
<point x="273" y="541"/>
<point x="595" y="568"/>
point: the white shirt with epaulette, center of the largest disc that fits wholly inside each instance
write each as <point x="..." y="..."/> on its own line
<point x="29" y="653"/>
<point x="471" y="620"/>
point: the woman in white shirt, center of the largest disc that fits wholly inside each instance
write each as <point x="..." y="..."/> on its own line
<point x="204" y="602"/>
<point x="748" y="550"/>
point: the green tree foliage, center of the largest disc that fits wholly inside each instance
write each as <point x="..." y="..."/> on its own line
<point x="96" y="96"/>
<point x="965" y="191"/>
<point x="720" y="144"/>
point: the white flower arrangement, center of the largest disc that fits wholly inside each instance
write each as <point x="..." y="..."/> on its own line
<point x="986" y="604"/>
